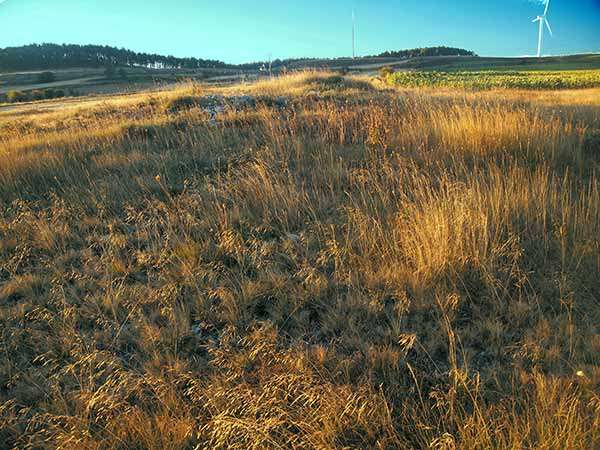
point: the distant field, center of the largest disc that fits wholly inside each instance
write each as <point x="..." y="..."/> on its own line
<point x="498" y="80"/>
<point x="94" y="81"/>
<point x="476" y="63"/>
<point x="89" y="81"/>
<point x="457" y="63"/>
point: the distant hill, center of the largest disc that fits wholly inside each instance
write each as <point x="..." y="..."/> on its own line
<point x="427" y="51"/>
<point x="469" y="63"/>
<point x="67" y="56"/>
<point x="297" y="63"/>
<point x="40" y="57"/>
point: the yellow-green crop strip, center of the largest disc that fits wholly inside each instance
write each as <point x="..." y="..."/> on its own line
<point x="577" y="79"/>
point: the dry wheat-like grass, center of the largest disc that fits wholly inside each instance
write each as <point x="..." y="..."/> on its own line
<point x="352" y="268"/>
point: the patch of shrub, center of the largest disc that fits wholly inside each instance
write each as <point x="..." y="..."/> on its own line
<point x="46" y="77"/>
<point x="385" y="72"/>
<point x="592" y="143"/>
<point x="37" y="95"/>
<point x="57" y="93"/>
<point x="110" y="71"/>
<point x="183" y="103"/>
<point x="16" y="96"/>
<point x="338" y="82"/>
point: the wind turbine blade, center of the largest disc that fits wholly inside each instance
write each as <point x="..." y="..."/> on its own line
<point x="547" y="6"/>
<point x="535" y="20"/>
<point x="548" y="25"/>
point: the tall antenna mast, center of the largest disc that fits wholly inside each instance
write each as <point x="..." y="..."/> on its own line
<point x="353" y="34"/>
<point x="270" y="64"/>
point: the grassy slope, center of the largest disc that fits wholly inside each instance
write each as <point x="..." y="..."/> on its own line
<point x="460" y="63"/>
<point x="92" y="81"/>
<point x="354" y="270"/>
<point x="452" y="63"/>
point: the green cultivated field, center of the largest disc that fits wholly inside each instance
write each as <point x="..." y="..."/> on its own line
<point x="477" y="63"/>
<point x="498" y="80"/>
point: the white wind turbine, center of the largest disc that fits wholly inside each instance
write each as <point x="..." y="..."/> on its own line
<point x="542" y="20"/>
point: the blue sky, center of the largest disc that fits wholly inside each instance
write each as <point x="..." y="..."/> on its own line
<point x="241" y="31"/>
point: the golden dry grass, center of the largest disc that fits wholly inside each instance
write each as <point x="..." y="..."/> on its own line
<point x="359" y="268"/>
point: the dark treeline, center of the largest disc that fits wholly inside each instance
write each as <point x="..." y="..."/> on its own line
<point x="65" y="56"/>
<point x="410" y="53"/>
<point x="274" y="63"/>
<point x="427" y="51"/>
<point x="53" y="56"/>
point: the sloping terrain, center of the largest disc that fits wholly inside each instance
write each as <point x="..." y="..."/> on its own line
<point x="477" y="63"/>
<point x="305" y="262"/>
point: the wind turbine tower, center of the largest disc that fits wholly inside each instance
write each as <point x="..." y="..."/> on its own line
<point x="542" y="21"/>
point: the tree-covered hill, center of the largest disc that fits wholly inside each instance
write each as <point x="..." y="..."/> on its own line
<point x="427" y="51"/>
<point x="53" y="56"/>
<point x="66" y="56"/>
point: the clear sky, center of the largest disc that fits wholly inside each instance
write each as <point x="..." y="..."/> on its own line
<point x="242" y="31"/>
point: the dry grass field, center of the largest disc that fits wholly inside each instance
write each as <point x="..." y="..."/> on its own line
<point x="340" y="265"/>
